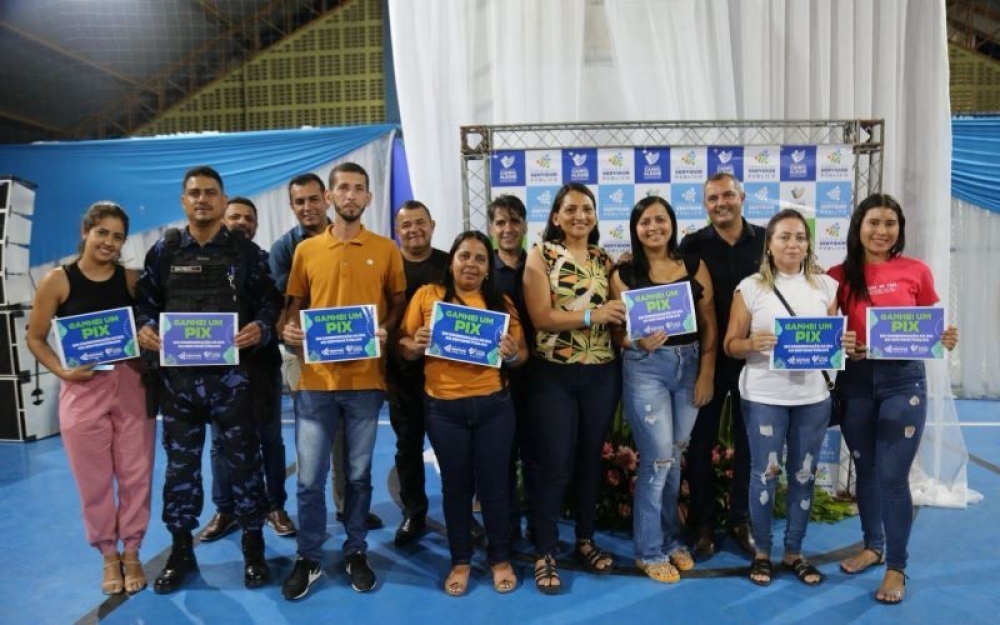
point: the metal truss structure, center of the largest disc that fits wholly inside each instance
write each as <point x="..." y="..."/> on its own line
<point x="478" y="142"/>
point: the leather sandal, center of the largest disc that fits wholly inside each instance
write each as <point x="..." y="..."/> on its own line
<point x="591" y="557"/>
<point x="804" y="571"/>
<point x="891" y="597"/>
<point x="851" y="566"/>
<point x="663" y="572"/>
<point x="760" y="571"/>
<point x="682" y="560"/>
<point x="546" y="571"/>
<point x="504" y="578"/>
<point x="457" y="582"/>
<point x="112" y="583"/>
<point x="135" y="577"/>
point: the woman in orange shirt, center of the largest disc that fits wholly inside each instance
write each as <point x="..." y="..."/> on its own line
<point x="469" y="413"/>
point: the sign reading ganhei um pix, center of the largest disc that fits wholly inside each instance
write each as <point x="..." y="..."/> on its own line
<point x="467" y="334"/>
<point x="198" y="339"/>
<point x="806" y="343"/>
<point x="96" y="338"/>
<point x="340" y="333"/>
<point x="906" y="333"/>
<point x="668" y="307"/>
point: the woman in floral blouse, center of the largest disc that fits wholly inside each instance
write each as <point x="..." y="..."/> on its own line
<point x="575" y="379"/>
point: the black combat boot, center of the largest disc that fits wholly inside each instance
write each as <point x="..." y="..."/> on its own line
<point x="179" y="564"/>
<point x="255" y="570"/>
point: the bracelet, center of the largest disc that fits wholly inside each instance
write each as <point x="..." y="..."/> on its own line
<point x="586" y="318"/>
<point x="511" y="359"/>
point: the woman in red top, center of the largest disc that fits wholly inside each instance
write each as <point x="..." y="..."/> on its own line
<point x="886" y="399"/>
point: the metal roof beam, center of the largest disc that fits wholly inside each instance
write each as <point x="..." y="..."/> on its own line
<point x="48" y="45"/>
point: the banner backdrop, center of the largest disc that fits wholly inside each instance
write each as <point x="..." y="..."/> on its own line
<point x="817" y="180"/>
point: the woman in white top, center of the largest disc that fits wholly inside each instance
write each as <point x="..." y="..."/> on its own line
<point x="781" y="407"/>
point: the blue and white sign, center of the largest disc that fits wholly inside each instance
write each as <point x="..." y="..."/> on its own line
<point x="198" y="339"/>
<point x="339" y="334"/>
<point x="95" y="338"/>
<point x="905" y="333"/>
<point x="806" y="343"/>
<point x="667" y="307"/>
<point x="467" y="334"/>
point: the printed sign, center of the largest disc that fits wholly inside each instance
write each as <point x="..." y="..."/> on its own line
<point x="198" y="339"/>
<point x="806" y="343"/>
<point x="95" y="338"/>
<point x="466" y="334"/>
<point x="905" y="333"/>
<point x="668" y="307"/>
<point x="339" y="334"/>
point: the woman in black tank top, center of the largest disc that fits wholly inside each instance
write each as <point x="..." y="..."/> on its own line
<point x="665" y="379"/>
<point x="108" y="439"/>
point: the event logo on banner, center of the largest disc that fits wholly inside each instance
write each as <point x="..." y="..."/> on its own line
<point x="507" y="168"/>
<point x="652" y="166"/>
<point x="725" y="159"/>
<point x="580" y="165"/>
<point x="816" y="180"/>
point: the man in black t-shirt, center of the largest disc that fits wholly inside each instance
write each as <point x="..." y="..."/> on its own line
<point x="422" y="265"/>
<point x="731" y="248"/>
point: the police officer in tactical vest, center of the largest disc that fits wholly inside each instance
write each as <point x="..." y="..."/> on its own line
<point x="206" y="268"/>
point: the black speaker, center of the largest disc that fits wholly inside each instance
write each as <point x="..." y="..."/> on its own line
<point x="29" y="394"/>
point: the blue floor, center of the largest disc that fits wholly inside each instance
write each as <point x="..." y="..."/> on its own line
<point x="52" y="576"/>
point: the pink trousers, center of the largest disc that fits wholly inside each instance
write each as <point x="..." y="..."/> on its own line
<point x="109" y="442"/>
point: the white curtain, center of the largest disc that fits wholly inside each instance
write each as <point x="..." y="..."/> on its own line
<point x="524" y="61"/>
<point x="975" y="299"/>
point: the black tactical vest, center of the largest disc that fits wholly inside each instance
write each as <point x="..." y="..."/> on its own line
<point x="207" y="282"/>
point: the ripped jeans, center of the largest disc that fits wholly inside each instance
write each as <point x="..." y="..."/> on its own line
<point x="657" y="396"/>
<point x="886" y="412"/>
<point x="769" y="429"/>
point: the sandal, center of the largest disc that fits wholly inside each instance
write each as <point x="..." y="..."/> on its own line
<point x="859" y="563"/>
<point x="504" y="579"/>
<point x="545" y="571"/>
<point x="112" y="584"/>
<point x="760" y="571"/>
<point x="135" y="577"/>
<point x="591" y="557"/>
<point x="803" y="570"/>
<point x="682" y="560"/>
<point x="664" y="572"/>
<point x="891" y="597"/>
<point x="457" y="582"/>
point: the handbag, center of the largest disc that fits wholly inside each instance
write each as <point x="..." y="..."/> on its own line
<point x="837" y="405"/>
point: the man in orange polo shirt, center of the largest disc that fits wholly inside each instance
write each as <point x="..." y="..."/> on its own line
<point x="347" y="265"/>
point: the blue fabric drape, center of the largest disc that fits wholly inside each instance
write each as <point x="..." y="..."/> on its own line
<point x="975" y="161"/>
<point x="144" y="175"/>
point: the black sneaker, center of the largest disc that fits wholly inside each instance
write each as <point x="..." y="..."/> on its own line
<point x="362" y="575"/>
<point x="303" y="576"/>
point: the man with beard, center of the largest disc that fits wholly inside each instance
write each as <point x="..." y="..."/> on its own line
<point x="346" y="265"/>
<point x="307" y="199"/>
<point x="731" y="248"/>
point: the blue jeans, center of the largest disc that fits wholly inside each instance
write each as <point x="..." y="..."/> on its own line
<point x="886" y="403"/>
<point x="267" y="419"/>
<point x="572" y="406"/>
<point x="472" y="438"/>
<point x="657" y="396"/>
<point x="318" y="415"/>
<point x="769" y="429"/>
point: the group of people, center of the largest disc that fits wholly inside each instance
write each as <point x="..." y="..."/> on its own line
<point x="567" y="363"/>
